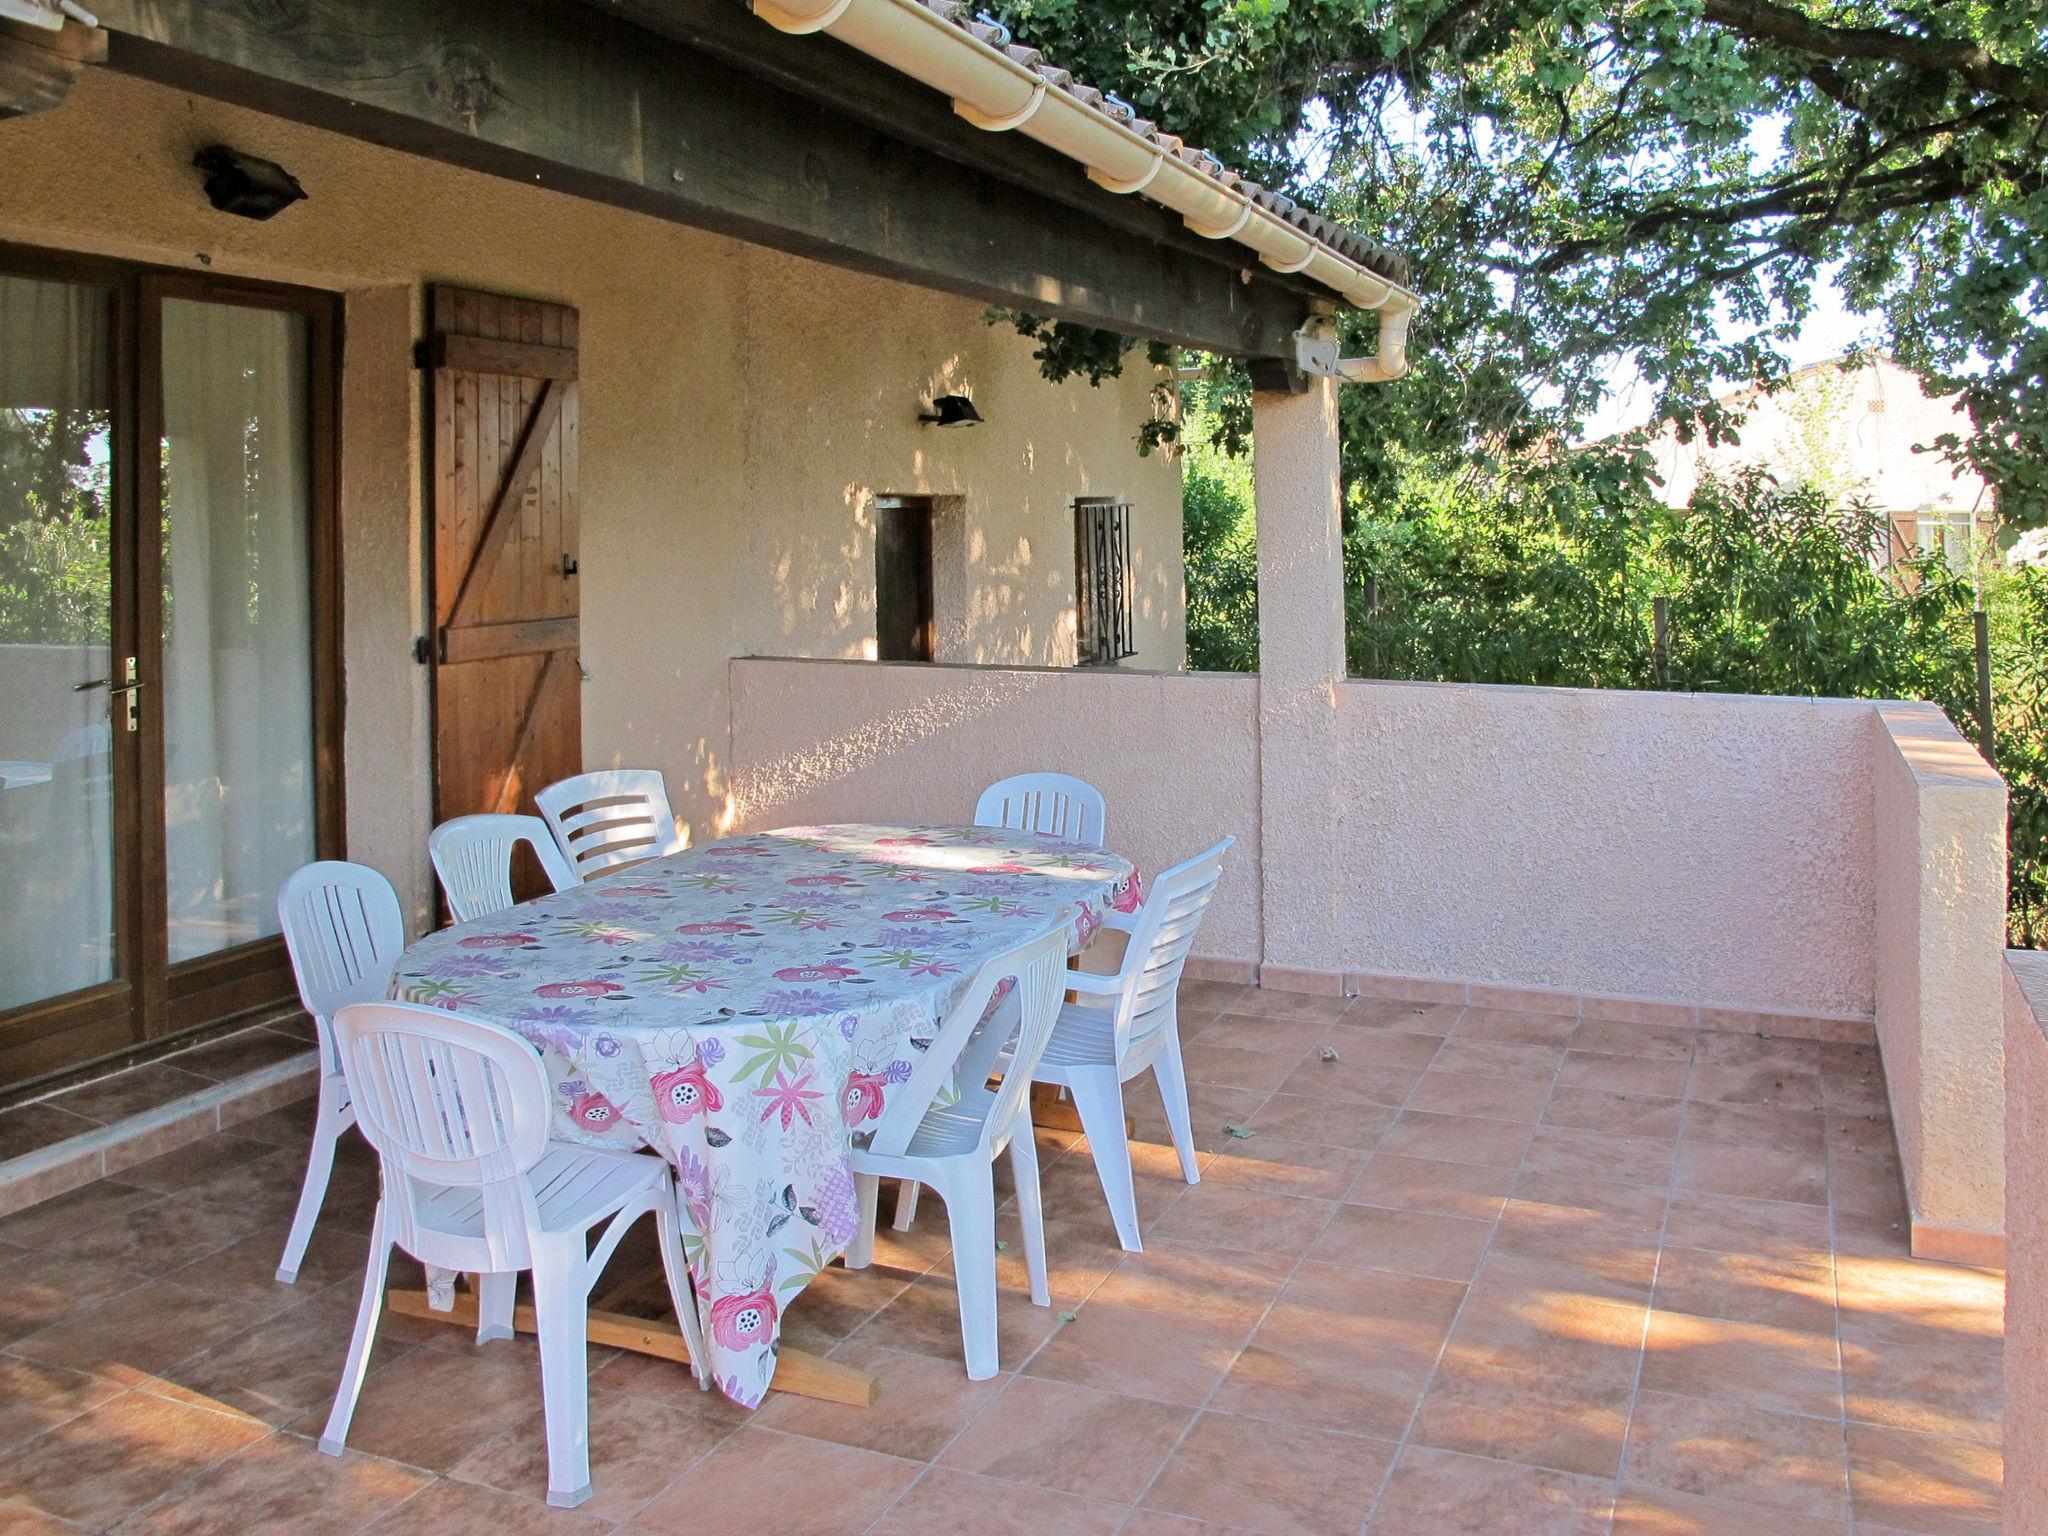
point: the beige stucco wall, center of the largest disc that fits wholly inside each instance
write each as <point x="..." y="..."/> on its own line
<point x="739" y="408"/>
<point x="2026" y="1233"/>
<point x="1940" y="900"/>
<point x="1175" y="755"/>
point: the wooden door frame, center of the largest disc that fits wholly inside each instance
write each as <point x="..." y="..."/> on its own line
<point x="149" y="1001"/>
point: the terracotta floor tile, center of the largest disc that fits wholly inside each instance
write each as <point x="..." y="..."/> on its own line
<point x="1399" y="1014"/>
<point x="923" y="1403"/>
<point x="35" y="1126"/>
<point x="1867" y="1182"/>
<point x="1407" y="1242"/>
<point x="1617" y="1248"/>
<point x="761" y="1483"/>
<point x="470" y="1509"/>
<point x="1656" y="1512"/>
<point x="839" y="1300"/>
<point x="1623" y="1037"/>
<point x="1753" y="1047"/>
<point x="1798" y="1131"/>
<point x="1660" y="1076"/>
<point x="1302" y="1118"/>
<point x="1910" y="1301"/>
<point x="1573" y="1424"/>
<point x="1493" y="1097"/>
<point x="1167" y="1324"/>
<point x="1214" y="996"/>
<point x="637" y="1447"/>
<point x="34" y="1398"/>
<point x="238" y="1054"/>
<point x="404" y="1410"/>
<point x="1231" y="1067"/>
<point x="281" y="1483"/>
<point x="1211" y="1107"/>
<point x="1071" y="1439"/>
<point x="924" y="1319"/>
<point x="1343" y="1349"/>
<point x="1379" y="1047"/>
<point x="139" y="1333"/>
<point x="1940" y="1391"/>
<point x="1457" y="1139"/>
<point x="1276" y="1003"/>
<point x="1283" y="1166"/>
<point x="1931" y="1485"/>
<point x="1072" y="1191"/>
<point x="1748" y="1288"/>
<point x="1272" y="1478"/>
<point x="1750" y="1364"/>
<point x="66" y="1216"/>
<point x="1460" y="1053"/>
<point x="1754" y="1172"/>
<point x="954" y="1501"/>
<point x="186" y="1225"/>
<point x="1636" y="1208"/>
<point x="200" y="1160"/>
<point x="1594" y="1154"/>
<point x="1763" y="1083"/>
<point x="1730" y="1224"/>
<point x="1618" y="1275"/>
<point x="1245" y="1220"/>
<point x="1149" y="1522"/>
<point x="1739" y="1455"/>
<point x="1510" y="1027"/>
<point x="1250" y="1032"/>
<point x="1363" y="1082"/>
<point x="285" y="1368"/>
<point x="113" y="1459"/>
<point x="130" y="1092"/>
<point x="1439" y="1493"/>
<point x="40" y="1288"/>
<point x="20" y="1520"/>
<point x="1561" y="1330"/>
<point x="1618" y="1114"/>
<point x="1430" y="1184"/>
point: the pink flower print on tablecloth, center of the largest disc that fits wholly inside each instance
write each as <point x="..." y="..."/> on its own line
<point x="918" y="915"/>
<point x="1131" y="897"/>
<point x="825" y="972"/>
<point x="499" y="941"/>
<point x="724" y="925"/>
<point x="809" y="882"/>
<point x="790" y="1100"/>
<point x="747" y="1318"/>
<point x="687" y="1092"/>
<point x="589" y="1109"/>
<point x="597" y="987"/>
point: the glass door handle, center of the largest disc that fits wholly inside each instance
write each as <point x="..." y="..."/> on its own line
<point x="127" y="690"/>
<point x="108" y="684"/>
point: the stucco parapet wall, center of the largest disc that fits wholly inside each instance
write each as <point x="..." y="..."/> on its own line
<point x="2027" y="976"/>
<point x="1934" y="752"/>
<point x="2026" y="1206"/>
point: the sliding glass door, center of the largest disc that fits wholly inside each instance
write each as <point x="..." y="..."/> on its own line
<point x="167" y="703"/>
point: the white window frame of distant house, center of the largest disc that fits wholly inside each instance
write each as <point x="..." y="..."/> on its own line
<point x="1105" y="582"/>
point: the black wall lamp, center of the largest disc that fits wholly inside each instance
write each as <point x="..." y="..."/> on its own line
<point x="247" y="185"/>
<point x="952" y="411"/>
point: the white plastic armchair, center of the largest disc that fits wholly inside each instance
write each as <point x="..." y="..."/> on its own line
<point x="1056" y="804"/>
<point x="612" y="817"/>
<point x="344" y="931"/>
<point x="458" y="1110"/>
<point x="473" y="857"/>
<point x="952" y="1146"/>
<point x="1127" y="1023"/>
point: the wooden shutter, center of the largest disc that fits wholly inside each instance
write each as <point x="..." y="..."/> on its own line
<point x="507" y="700"/>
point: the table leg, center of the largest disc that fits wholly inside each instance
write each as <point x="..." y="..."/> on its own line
<point x="797" y="1371"/>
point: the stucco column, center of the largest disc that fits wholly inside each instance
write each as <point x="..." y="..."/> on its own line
<point x="1295" y="484"/>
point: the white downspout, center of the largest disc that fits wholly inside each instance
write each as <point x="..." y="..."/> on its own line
<point x="1391" y="361"/>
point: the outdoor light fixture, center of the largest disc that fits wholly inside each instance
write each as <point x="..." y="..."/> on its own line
<point x="952" y="411"/>
<point x="247" y="185"/>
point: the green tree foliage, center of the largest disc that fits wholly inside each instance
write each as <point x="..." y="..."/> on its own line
<point x="53" y="527"/>
<point x="1578" y="179"/>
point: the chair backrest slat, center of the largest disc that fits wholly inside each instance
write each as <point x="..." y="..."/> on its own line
<point x="1160" y="941"/>
<point x="612" y="817"/>
<point x="473" y="857"/>
<point x="1023" y="1023"/>
<point x="344" y="931"/>
<point x="1055" y="804"/>
<point x="448" y="1100"/>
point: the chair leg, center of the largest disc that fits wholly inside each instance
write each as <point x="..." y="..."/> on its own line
<point x="560" y="1303"/>
<point x="906" y="1204"/>
<point x="1030" y="1209"/>
<point x="1100" y="1099"/>
<point x="330" y="1120"/>
<point x="682" y="1294"/>
<point x="357" y="1367"/>
<point x="494" y="1305"/>
<point x="860" y="1253"/>
<point x="970" y="1198"/>
<point x="1172" y="1080"/>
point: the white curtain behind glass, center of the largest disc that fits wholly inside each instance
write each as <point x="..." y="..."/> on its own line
<point x="56" y="790"/>
<point x="237" y="684"/>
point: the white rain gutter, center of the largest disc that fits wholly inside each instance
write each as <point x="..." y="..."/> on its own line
<point x="995" y="92"/>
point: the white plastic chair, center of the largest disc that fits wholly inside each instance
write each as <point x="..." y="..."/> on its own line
<point x="952" y="1146"/>
<point x="612" y="817"/>
<point x="1121" y="1025"/>
<point x="473" y="857"/>
<point x="458" y="1112"/>
<point x="344" y="931"/>
<point x="1057" y="804"/>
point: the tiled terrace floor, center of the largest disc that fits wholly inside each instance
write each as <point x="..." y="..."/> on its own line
<point x="1483" y="1272"/>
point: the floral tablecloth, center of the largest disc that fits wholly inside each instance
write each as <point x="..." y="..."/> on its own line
<point x="746" y="1008"/>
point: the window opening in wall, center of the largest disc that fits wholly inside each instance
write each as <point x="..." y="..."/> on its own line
<point x="1105" y="589"/>
<point x="904" y="627"/>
